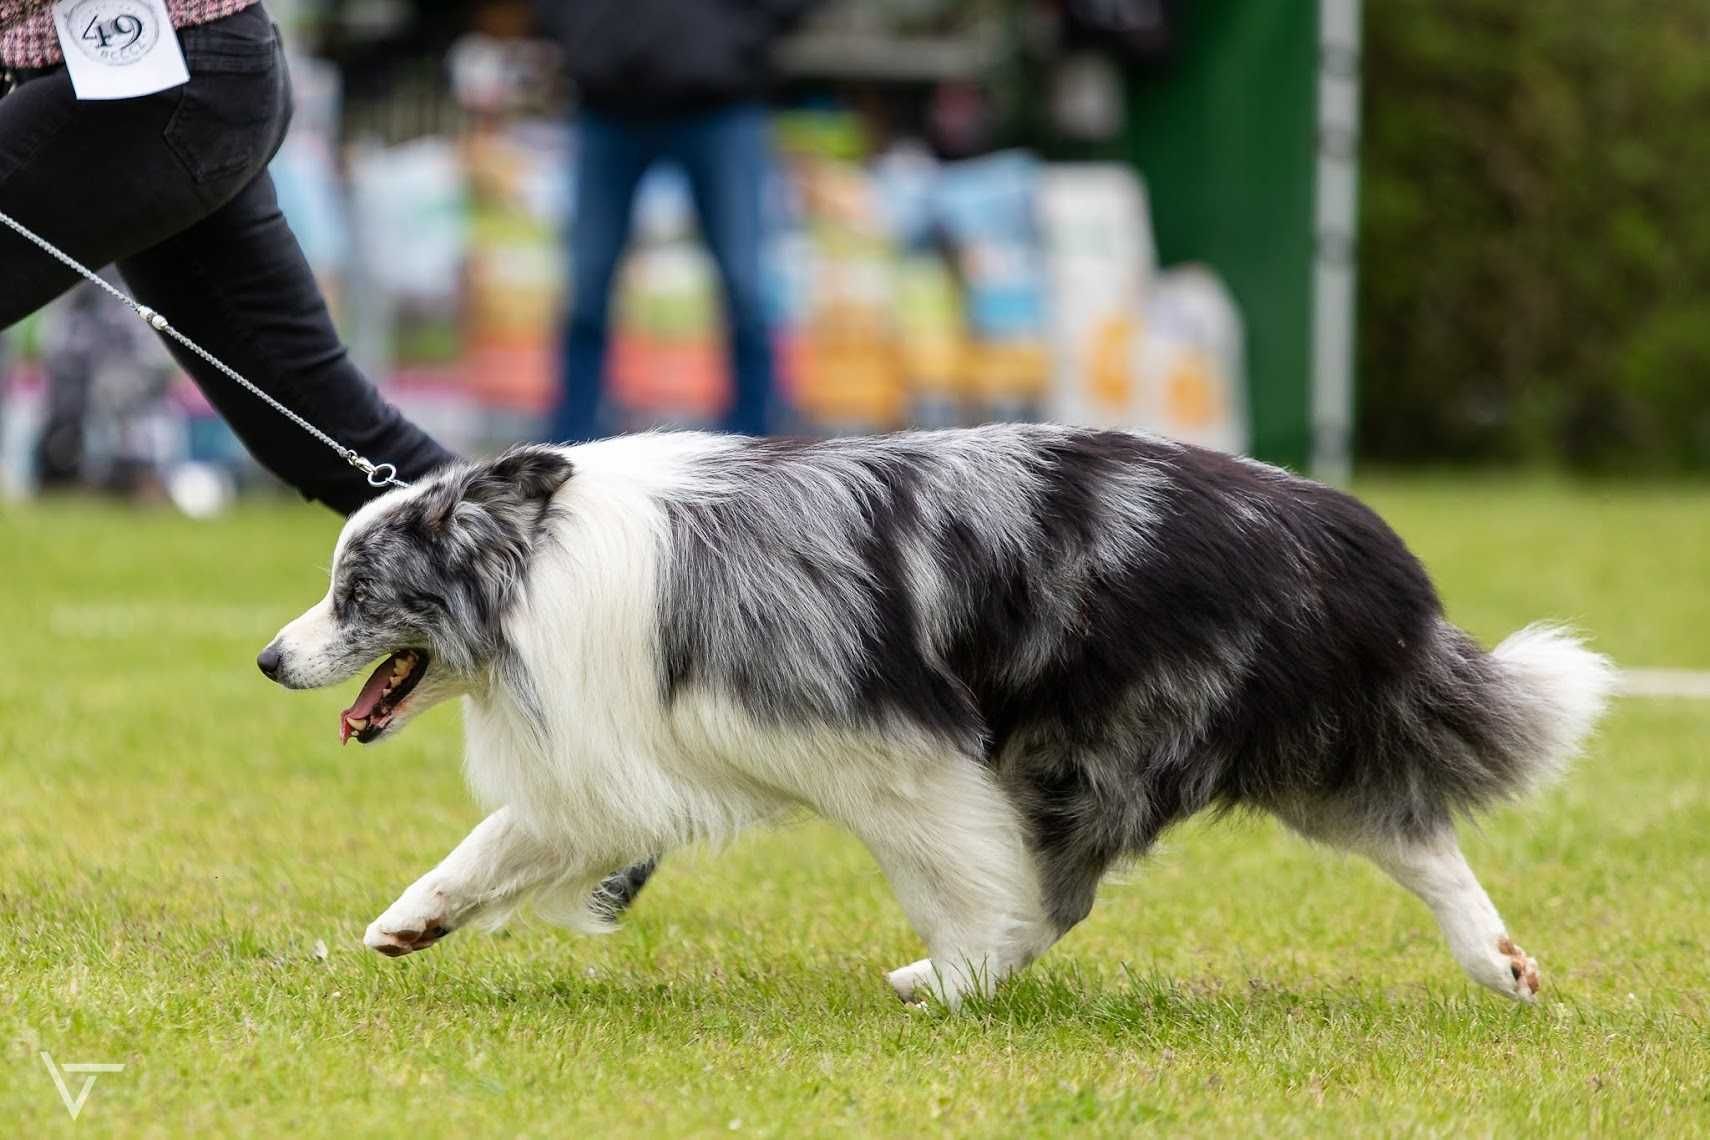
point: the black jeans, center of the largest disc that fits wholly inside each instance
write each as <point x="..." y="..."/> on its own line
<point x="174" y="188"/>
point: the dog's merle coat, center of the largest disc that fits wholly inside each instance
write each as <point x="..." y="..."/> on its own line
<point x="1084" y="635"/>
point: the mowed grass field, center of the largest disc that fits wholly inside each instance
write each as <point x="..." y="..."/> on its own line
<point x="188" y="861"/>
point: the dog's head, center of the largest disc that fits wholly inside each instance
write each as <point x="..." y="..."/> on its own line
<point x="423" y="579"/>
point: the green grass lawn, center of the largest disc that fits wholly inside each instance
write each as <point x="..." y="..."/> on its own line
<point x="177" y="837"/>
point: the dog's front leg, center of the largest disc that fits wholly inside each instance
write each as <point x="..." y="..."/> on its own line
<point x="494" y="866"/>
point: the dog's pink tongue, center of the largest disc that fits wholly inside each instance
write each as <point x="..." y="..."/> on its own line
<point x="366" y="699"/>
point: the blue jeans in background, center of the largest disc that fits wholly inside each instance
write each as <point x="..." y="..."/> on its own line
<point x="725" y="154"/>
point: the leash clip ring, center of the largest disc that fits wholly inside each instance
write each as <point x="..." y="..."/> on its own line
<point x="381" y="474"/>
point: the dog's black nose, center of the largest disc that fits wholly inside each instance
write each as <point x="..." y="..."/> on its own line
<point x="268" y="661"/>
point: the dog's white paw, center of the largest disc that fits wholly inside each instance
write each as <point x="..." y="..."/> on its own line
<point x="1521" y="968"/>
<point x="1502" y="966"/>
<point x="413" y="923"/>
<point x="926" y="980"/>
<point x="913" y="983"/>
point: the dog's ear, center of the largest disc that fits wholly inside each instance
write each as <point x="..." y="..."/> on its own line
<point x="533" y="472"/>
<point x="523" y="476"/>
<point x="529" y="474"/>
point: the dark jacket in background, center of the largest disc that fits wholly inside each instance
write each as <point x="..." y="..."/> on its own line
<point x="653" y="57"/>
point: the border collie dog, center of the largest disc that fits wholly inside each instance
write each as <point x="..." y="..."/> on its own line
<point x="1006" y="658"/>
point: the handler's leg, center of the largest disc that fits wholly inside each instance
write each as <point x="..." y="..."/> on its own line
<point x="236" y="283"/>
<point x="495" y="867"/>
<point x="208" y="248"/>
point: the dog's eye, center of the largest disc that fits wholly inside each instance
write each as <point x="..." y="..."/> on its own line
<point x="359" y="592"/>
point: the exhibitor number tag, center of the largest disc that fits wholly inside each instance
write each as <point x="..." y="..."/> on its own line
<point x="119" y="49"/>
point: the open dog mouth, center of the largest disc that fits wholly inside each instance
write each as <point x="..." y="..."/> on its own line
<point x="381" y="695"/>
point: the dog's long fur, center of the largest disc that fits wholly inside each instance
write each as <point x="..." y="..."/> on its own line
<point x="1006" y="657"/>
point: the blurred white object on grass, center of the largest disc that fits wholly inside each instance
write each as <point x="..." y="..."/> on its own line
<point x="200" y="490"/>
<point x="23" y="410"/>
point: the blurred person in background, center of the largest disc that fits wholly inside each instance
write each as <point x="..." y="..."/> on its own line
<point x="107" y="385"/>
<point x="681" y="81"/>
<point x="173" y="187"/>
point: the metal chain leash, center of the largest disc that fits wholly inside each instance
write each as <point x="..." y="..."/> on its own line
<point x="378" y="474"/>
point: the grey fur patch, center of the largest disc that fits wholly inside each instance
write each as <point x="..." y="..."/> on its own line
<point x="1125" y="630"/>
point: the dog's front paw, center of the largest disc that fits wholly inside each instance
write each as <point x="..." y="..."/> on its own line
<point x="410" y="924"/>
<point x="912" y="983"/>
<point x="929" y="980"/>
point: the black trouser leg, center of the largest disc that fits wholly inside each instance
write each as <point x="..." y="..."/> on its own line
<point x="237" y="284"/>
<point x="174" y="188"/>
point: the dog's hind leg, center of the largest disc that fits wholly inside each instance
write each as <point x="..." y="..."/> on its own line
<point x="487" y="874"/>
<point x="954" y="850"/>
<point x="618" y="890"/>
<point x="1432" y="867"/>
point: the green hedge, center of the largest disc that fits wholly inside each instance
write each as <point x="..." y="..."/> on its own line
<point x="1535" y="232"/>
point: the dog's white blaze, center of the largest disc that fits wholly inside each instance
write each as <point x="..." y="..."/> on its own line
<point x="310" y="645"/>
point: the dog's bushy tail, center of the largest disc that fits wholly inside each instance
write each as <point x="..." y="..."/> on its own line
<point x="1467" y="729"/>
<point x="1549" y="691"/>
